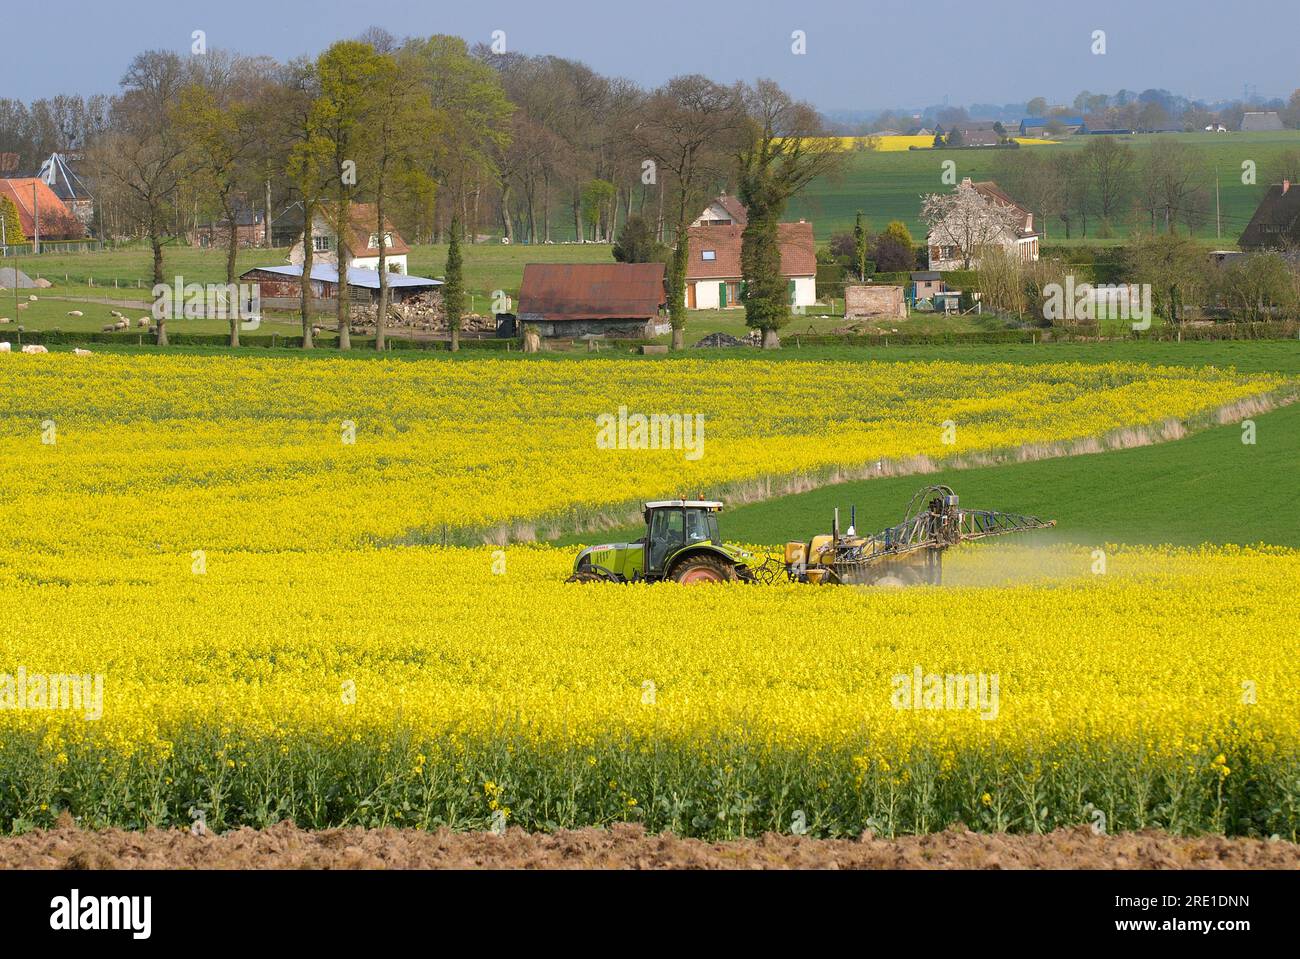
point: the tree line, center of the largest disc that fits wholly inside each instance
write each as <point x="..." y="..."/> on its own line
<point x="439" y="137"/>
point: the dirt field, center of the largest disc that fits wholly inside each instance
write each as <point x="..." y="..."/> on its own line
<point x="625" y="847"/>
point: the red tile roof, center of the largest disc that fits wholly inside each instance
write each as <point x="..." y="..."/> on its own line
<point x="995" y="194"/>
<point x="798" y="252"/>
<point x="361" y="227"/>
<point x="57" y="221"/>
<point x="592" y="291"/>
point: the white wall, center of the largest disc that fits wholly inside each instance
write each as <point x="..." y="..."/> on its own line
<point x="372" y="262"/>
<point x="706" y="292"/>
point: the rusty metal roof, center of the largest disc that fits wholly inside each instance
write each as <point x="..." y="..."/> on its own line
<point x="592" y="291"/>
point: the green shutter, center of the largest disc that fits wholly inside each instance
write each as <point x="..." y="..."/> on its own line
<point x="790" y="288"/>
<point x="722" y="295"/>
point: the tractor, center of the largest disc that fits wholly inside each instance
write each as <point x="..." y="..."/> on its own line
<point x="681" y="544"/>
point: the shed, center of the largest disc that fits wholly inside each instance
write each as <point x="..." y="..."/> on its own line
<point x="280" y="286"/>
<point x="577" y="299"/>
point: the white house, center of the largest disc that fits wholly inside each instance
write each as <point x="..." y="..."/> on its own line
<point x="1018" y="237"/>
<point x="713" y="274"/>
<point x="361" y="243"/>
<point x="723" y="211"/>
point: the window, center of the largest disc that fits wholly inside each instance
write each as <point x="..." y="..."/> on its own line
<point x="388" y="239"/>
<point x="708" y="254"/>
<point x="373" y="241"/>
<point x="322" y="244"/>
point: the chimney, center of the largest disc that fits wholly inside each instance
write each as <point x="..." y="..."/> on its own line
<point x="1286" y="185"/>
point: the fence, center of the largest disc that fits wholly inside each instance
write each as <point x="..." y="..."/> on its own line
<point x="52" y="247"/>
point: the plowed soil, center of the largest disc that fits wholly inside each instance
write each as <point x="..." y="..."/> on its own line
<point x="284" y="846"/>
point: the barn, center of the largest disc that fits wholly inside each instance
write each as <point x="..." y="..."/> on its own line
<point x="579" y="299"/>
<point x="280" y="286"/>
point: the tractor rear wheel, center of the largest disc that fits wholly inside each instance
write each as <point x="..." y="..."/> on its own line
<point x="703" y="569"/>
<point x="585" y="577"/>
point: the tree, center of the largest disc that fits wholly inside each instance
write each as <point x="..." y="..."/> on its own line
<point x="783" y="151"/>
<point x="1170" y="185"/>
<point x="1037" y="107"/>
<point x="1109" y="163"/>
<point x="1035" y="180"/>
<point x="965" y="219"/>
<point x="13" y="226"/>
<point x="691" y="124"/>
<point x="1175" y="268"/>
<point x="219" y="123"/>
<point x="596" y="195"/>
<point x="860" y="247"/>
<point x="1257" y="287"/>
<point x="453" y="286"/>
<point x="955" y="137"/>
<point x="397" y="154"/>
<point x="475" y="120"/>
<point x="636" y="242"/>
<point x="350" y="75"/>
<point x="142" y="156"/>
<point x="307" y="155"/>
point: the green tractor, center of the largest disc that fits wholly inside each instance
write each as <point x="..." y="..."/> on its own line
<point x="681" y="544"/>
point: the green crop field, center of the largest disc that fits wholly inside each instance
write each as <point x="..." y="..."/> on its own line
<point x="1167" y="493"/>
<point x="889" y="185"/>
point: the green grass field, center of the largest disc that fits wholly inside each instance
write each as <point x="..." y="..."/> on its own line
<point x="889" y="186"/>
<point x="1169" y="493"/>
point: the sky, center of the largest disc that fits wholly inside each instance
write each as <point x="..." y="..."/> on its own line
<point x="860" y="54"/>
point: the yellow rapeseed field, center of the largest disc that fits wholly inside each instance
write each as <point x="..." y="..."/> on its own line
<point x="128" y="455"/>
<point x="213" y="547"/>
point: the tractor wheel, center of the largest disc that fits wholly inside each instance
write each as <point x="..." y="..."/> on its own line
<point x="703" y="569"/>
<point x="585" y="577"/>
<point x="897" y="578"/>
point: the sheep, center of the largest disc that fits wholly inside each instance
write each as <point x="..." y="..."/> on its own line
<point x="122" y="324"/>
<point x="5" y="346"/>
<point x="4" y="319"/>
<point x="32" y="298"/>
<point x="78" y="351"/>
<point x="142" y="322"/>
<point x="75" y="313"/>
<point x="108" y="328"/>
<point x="22" y="306"/>
<point x="114" y="314"/>
<point x="34" y="348"/>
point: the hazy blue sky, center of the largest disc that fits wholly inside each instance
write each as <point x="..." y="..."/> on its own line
<point x="860" y="54"/>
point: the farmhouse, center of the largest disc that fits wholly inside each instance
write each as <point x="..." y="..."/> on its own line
<point x="280" y="286"/>
<point x="1261" y="121"/>
<point x="250" y="229"/>
<point x="35" y="200"/>
<point x="1038" y="127"/>
<point x="1276" y="222"/>
<point x="58" y="173"/>
<point x="360" y="245"/>
<point x="580" y="299"/>
<point x="723" y="211"/>
<point x="713" y="275"/>
<point x="945" y="252"/>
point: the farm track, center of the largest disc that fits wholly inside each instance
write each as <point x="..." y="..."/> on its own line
<point x="284" y="846"/>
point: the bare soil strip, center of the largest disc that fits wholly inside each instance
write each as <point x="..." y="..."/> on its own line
<point x="284" y="846"/>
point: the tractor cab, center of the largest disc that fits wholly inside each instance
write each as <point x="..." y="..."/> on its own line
<point x="672" y="525"/>
<point x="681" y="543"/>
